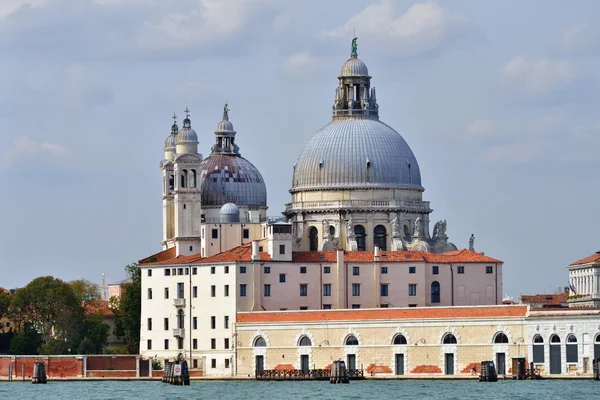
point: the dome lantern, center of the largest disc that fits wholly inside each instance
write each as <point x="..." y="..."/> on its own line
<point x="187" y="139"/>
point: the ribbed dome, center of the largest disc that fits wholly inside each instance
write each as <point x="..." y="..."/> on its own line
<point x="224" y="126"/>
<point x="354" y="67"/>
<point x="171" y="140"/>
<point x="228" y="178"/>
<point x="187" y="134"/>
<point x="356" y="153"/>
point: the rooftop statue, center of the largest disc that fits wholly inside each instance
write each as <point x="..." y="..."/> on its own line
<point x="354" y="48"/>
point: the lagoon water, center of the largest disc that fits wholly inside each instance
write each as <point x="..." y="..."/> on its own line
<point x="250" y="390"/>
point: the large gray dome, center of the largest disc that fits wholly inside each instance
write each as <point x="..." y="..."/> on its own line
<point x="356" y="153"/>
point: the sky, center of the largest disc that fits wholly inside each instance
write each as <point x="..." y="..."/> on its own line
<point x="497" y="99"/>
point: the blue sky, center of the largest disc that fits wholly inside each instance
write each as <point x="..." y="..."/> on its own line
<point x="498" y="100"/>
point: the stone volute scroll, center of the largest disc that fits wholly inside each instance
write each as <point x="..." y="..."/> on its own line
<point x="397" y="240"/>
<point x="351" y="244"/>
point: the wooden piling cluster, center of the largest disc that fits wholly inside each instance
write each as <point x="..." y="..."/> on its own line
<point x="596" y="369"/>
<point x="176" y="373"/>
<point x="39" y="373"/>
<point x="488" y="372"/>
<point x="339" y="373"/>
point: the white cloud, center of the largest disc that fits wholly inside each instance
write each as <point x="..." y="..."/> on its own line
<point x="518" y="153"/>
<point x="8" y="7"/>
<point x="24" y="148"/>
<point x="538" y="76"/>
<point x="581" y="39"/>
<point x="302" y="64"/>
<point x="480" y="128"/>
<point x="425" y="28"/>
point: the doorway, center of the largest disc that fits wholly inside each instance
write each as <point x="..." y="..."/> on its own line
<point x="555" y="367"/>
<point x="304" y="367"/>
<point x="501" y="363"/>
<point x="260" y="364"/>
<point x="449" y="357"/>
<point x="351" y="364"/>
<point x="399" y="364"/>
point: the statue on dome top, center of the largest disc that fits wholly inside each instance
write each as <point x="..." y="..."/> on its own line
<point x="354" y="48"/>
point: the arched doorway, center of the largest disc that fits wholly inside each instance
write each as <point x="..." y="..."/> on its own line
<point x="597" y="347"/>
<point x="313" y="235"/>
<point x="501" y="338"/>
<point x="359" y="231"/>
<point x="399" y="340"/>
<point x="538" y="350"/>
<point x="448" y="339"/>
<point x="380" y="237"/>
<point x="304" y="341"/>
<point x="351" y="340"/>
<point x="259" y="359"/>
<point x="555" y="361"/>
<point x="572" y="353"/>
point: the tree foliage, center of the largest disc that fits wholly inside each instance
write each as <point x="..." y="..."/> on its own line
<point x="86" y="291"/>
<point x="128" y="309"/>
<point x="26" y="342"/>
<point x="4" y="303"/>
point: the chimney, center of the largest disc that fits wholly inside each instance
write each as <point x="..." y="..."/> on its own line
<point x="255" y="253"/>
<point x="376" y="253"/>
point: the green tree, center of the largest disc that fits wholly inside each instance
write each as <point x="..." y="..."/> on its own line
<point x="4" y="305"/>
<point x="26" y="342"/>
<point x="128" y="309"/>
<point x="87" y="346"/>
<point x="95" y="333"/>
<point x="86" y="291"/>
<point x="51" y="307"/>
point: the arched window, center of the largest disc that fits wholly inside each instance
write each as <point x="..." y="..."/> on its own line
<point x="449" y="339"/>
<point x="501" y="338"/>
<point x="409" y="174"/>
<point x="572" y="354"/>
<point x="313" y="235"/>
<point x="304" y="341"/>
<point x="193" y="177"/>
<point x="260" y="342"/>
<point x="180" y="319"/>
<point x="554" y="339"/>
<point x="399" y="339"/>
<point x="435" y="292"/>
<point x="171" y="182"/>
<point x="538" y="349"/>
<point x="351" y="341"/>
<point x="379" y="237"/>
<point x="406" y="233"/>
<point x="359" y="231"/>
<point x="332" y="230"/>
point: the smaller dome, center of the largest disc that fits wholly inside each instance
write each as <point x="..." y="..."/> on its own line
<point x="224" y="126"/>
<point x="354" y="67"/>
<point x="187" y="134"/>
<point x="230" y="213"/>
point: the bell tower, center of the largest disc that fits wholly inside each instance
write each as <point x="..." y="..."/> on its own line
<point x="168" y="186"/>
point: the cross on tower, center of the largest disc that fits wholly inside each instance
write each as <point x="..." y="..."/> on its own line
<point x="187" y="112"/>
<point x="174" y="118"/>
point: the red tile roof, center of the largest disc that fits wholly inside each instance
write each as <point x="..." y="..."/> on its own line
<point x="545" y="299"/>
<point x="4" y="290"/>
<point x="97" y="308"/>
<point x="593" y="259"/>
<point x="160" y="256"/>
<point x="244" y="254"/>
<point x="383" y="314"/>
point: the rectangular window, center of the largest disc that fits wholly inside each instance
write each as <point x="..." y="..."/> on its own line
<point x="242" y="270"/>
<point x="226" y="290"/>
<point x="384" y="270"/>
<point x="227" y="363"/>
<point x="302" y="270"/>
<point x="489" y="291"/>
<point x="213" y="291"/>
<point x="489" y="269"/>
<point x="281" y="278"/>
<point x="412" y="305"/>
<point x="213" y="363"/>
<point x="179" y="271"/>
<point x="412" y="270"/>
<point x="195" y="291"/>
<point x="166" y="344"/>
<point x="243" y="290"/>
<point x="303" y="308"/>
<point x="303" y="290"/>
<point x="166" y="323"/>
<point x="282" y="249"/>
<point x="226" y="343"/>
<point x="355" y="305"/>
<point x="195" y="323"/>
<point x="384" y="290"/>
<point x="412" y="289"/>
<point x="149" y="344"/>
<point x="267" y="290"/>
<point x="355" y="270"/>
<point x="149" y="324"/>
<point x="149" y="293"/>
<point x="227" y="269"/>
<point x="187" y="270"/>
<point x="195" y="344"/>
<point x="246" y="234"/>
<point x="327" y="289"/>
<point x="384" y="306"/>
<point x="226" y="322"/>
<point x="167" y="272"/>
<point x="149" y="272"/>
<point x="267" y="270"/>
<point x="460" y="269"/>
<point x="213" y="343"/>
<point x="213" y="322"/>
<point x="435" y="270"/>
<point x="356" y="289"/>
<point x="572" y="356"/>
<point x="195" y="363"/>
<point x="460" y="290"/>
<point x="194" y="271"/>
<point x="180" y="290"/>
<point x="174" y="271"/>
<point x="326" y="270"/>
<point x="215" y="233"/>
<point x="326" y="306"/>
<point x="538" y="353"/>
<point x="213" y="270"/>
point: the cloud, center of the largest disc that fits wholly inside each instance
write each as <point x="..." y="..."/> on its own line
<point x="302" y="65"/>
<point x="8" y="7"/>
<point x="424" y="29"/>
<point x="23" y="149"/>
<point x="581" y="40"/>
<point x="518" y="153"/>
<point x="480" y="128"/>
<point x="536" y="77"/>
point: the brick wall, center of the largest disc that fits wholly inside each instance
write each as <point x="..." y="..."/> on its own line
<point x="70" y="367"/>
